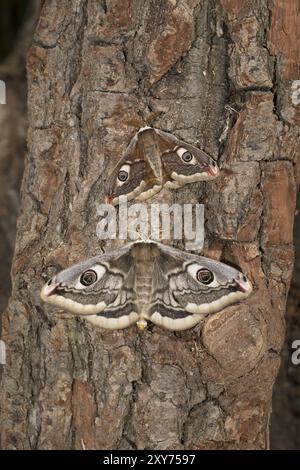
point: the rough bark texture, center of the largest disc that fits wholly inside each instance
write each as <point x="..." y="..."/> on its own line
<point x="12" y="150"/>
<point x="285" y="422"/>
<point x="13" y="125"/>
<point x="215" y="74"/>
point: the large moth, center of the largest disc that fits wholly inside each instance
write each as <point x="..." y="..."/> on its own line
<point x="155" y="159"/>
<point x="146" y="281"/>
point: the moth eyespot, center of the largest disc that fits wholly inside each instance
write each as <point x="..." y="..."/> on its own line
<point x="88" y="278"/>
<point x="245" y="279"/>
<point x="205" y="276"/>
<point x="187" y="157"/>
<point x="123" y="176"/>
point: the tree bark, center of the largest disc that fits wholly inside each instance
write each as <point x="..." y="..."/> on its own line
<point x="219" y="74"/>
<point x="13" y="125"/>
<point x="285" y="422"/>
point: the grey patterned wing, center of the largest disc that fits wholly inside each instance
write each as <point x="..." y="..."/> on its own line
<point x="187" y="287"/>
<point x="100" y="288"/>
<point x="132" y="177"/>
<point x="183" y="163"/>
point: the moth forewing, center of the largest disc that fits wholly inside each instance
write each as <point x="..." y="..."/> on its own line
<point x="156" y="160"/>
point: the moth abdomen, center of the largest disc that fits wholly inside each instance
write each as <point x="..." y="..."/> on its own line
<point x="155" y="159"/>
<point x="143" y="293"/>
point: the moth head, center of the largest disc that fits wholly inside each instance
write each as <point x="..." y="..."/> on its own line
<point x="127" y="179"/>
<point x="76" y="289"/>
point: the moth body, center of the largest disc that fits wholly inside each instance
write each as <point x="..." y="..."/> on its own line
<point x="155" y="159"/>
<point x="146" y="281"/>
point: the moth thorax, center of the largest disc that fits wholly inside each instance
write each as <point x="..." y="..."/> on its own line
<point x="155" y="162"/>
<point x="152" y="153"/>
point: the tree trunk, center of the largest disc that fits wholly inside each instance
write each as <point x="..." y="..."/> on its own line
<point x="219" y="74"/>
<point x="13" y="125"/>
<point x="285" y="423"/>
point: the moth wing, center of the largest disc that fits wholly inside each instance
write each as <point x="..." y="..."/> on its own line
<point x="122" y="312"/>
<point x="165" y="310"/>
<point x="110" y="302"/>
<point x="201" y="167"/>
<point x="179" y="300"/>
<point x="140" y="175"/>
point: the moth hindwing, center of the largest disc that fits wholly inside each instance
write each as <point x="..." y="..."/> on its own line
<point x="155" y="159"/>
<point x="146" y="281"/>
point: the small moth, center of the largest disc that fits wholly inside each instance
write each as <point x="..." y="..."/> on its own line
<point x="155" y="159"/>
<point x="146" y="281"/>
